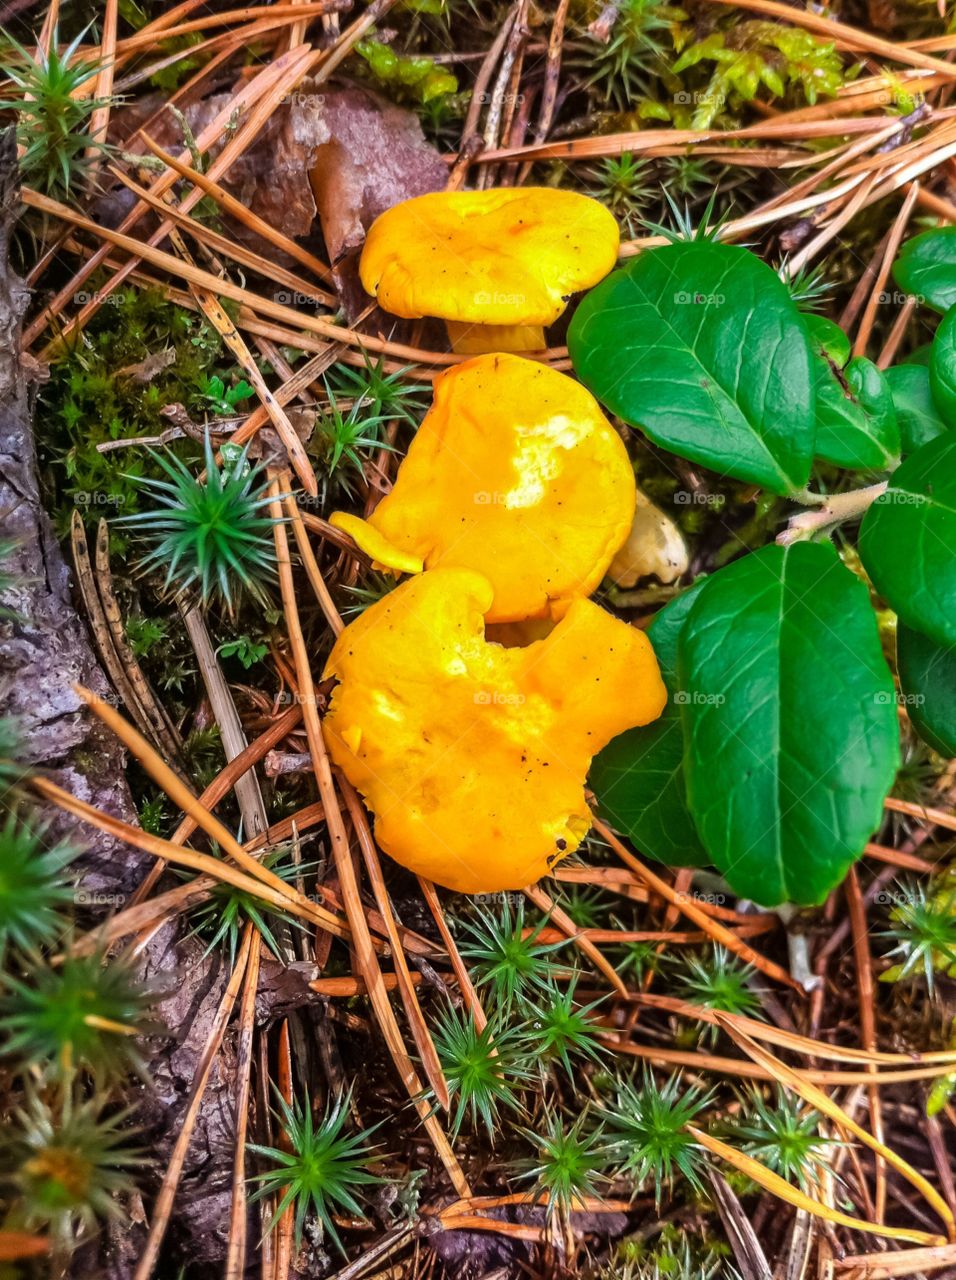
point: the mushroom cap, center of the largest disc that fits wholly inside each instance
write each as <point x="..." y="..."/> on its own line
<point x="510" y="257"/>
<point x="515" y="472"/>
<point x="472" y="756"/>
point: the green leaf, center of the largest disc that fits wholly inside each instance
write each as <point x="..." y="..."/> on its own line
<point x="928" y="681"/>
<point x="638" y="778"/>
<point x="942" y="366"/>
<point x="856" y="418"/>
<point x="701" y="346"/>
<point x="917" y="416"/>
<point x="789" y="721"/>
<point x="908" y="540"/>
<point x="926" y="268"/>
<point x="827" y="339"/>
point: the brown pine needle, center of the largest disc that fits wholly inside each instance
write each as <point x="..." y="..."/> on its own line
<point x="821" y="1101"/>
<point x="690" y="908"/>
<point x="163" y="1206"/>
<point x="784" y="1190"/>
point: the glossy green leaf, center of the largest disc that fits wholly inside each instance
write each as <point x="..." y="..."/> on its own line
<point x="942" y="366"/>
<point x="638" y="779"/>
<point x="791" y="741"/>
<point x="908" y="540"/>
<point x="917" y="416"/>
<point x="928" y="682"/>
<point x="828" y="339"/>
<point x="700" y="345"/>
<point x="856" y="417"/>
<point x="926" y="267"/>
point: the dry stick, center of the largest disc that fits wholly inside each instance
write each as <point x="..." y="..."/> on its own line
<point x="406" y="988"/>
<point x="290" y="901"/>
<point x="99" y="626"/>
<point x="797" y="1081"/>
<point x="248" y="793"/>
<point x="100" y="119"/>
<point x="312" y="569"/>
<point x="460" y="969"/>
<point x="791" y="1040"/>
<point x="221" y="244"/>
<point x="864" y="979"/>
<point x="693" y="912"/>
<point x="483" y="79"/>
<point x="903" y="1263"/>
<point x="897" y="858"/>
<point x="790" y="1194"/>
<point x="552" y="79"/>
<point x="163" y="1206"/>
<point x="285" y="12"/>
<point x="236" y="1245"/>
<point x="735" y="1067"/>
<point x="836" y="225"/>
<point x="225" y="288"/>
<point x="245" y="100"/>
<point x="544" y="902"/>
<point x="222" y="784"/>
<point x="164" y="730"/>
<point x="892" y="244"/>
<point x="517" y="34"/>
<point x="354" y="910"/>
<point x="230" y="205"/>
<point x="185" y="799"/>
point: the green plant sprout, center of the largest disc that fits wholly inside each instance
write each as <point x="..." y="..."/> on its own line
<point x="502" y="956"/>
<point x="570" y="1164"/>
<point x="784" y="1135"/>
<point x="923" y="926"/>
<point x="558" y="1030"/>
<point x="720" y="981"/>
<point x="227" y="910"/>
<point x="484" y="1070"/>
<point x="80" y="1013"/>
<point x="53" y="112"/>
<point x="339" y="439"/>
<point x="648" y="1129"/>
<point x="324" y="1169"/>
<point x="33" y="889"/>
<point x="213" y="535"/>
<point x="389" y="395"/>
<point x="70" y="1169"/>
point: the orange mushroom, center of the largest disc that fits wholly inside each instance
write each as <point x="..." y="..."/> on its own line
<point x="516" y="473"/>
<point x="473" y="756"/>
<point x="495" y="265"/>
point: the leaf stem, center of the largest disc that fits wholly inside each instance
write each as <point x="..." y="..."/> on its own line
<point x="836" y="509"/>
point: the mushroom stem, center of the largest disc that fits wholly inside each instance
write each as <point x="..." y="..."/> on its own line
<point x="469" y="339"/>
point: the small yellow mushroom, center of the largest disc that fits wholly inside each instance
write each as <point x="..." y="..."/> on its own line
<point x="473" y="756"/>
<point x="516" y="473"/>
<point x="655" y="547"/>
<point x="495" y="265"/>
